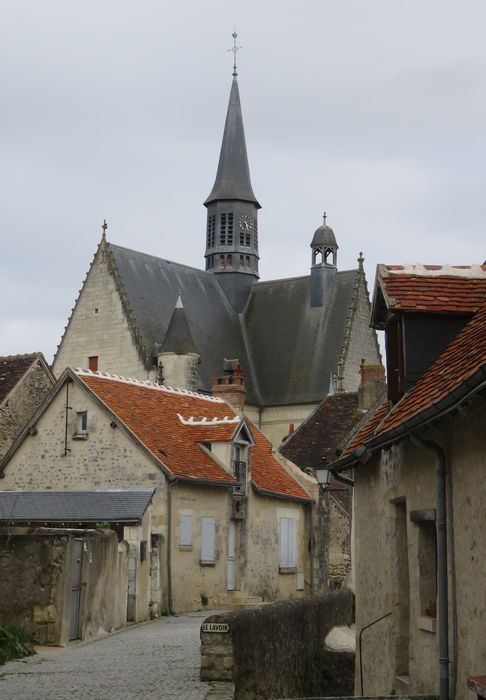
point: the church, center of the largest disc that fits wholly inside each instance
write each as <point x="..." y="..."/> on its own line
<point x="276" y="347"/>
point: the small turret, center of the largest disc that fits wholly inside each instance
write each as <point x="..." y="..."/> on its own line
<point x="177" y="359"/>
<point x="324" y="262"/>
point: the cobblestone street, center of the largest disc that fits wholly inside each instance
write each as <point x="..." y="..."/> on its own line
<point x="156" y="660"/>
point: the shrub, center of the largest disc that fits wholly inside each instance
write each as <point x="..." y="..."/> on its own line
<point x="15" y="643"/>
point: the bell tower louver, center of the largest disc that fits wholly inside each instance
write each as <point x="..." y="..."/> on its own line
<point x="232" y="211"/>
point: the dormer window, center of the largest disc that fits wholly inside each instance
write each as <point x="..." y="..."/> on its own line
<point x="240" y="458"/>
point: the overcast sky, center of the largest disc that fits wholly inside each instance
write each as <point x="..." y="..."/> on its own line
<point x="373" y="111"/>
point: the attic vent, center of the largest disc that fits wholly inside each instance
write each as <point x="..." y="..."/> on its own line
<point x="222" y="235"/>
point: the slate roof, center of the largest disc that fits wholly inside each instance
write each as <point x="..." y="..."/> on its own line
<point x="429" y="289"/>
<point x="233" y="175"/>
<point x="174" y="424"/>
<point x="13" y="368"/>
<point x="321" y="433"/>
<point x="296" y="370"/>
<point x="459" y="370"/>
<point x="125" y="505"/>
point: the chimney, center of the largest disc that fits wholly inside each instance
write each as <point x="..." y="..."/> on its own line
<point x="231" y="386"/>
<point x="372" y="385"/>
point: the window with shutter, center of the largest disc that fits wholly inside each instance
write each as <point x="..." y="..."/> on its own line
<point x="288" y="543"/>
<point x="208" y="530"/>
<point x="185" y="531"/>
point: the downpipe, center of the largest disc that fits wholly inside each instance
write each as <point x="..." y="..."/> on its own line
<point x="170" y="598"/>
<point x="442" y="575"/>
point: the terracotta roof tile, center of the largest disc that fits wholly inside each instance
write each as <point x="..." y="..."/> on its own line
<point x="267" y="472"/>
<point x="464" y="356"/>
<point x="367" y="430"/>
<point x="152" y="413"/>
<point x="454" y="289"/>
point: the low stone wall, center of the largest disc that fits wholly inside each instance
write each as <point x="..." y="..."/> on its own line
<point x="278" y="650"/>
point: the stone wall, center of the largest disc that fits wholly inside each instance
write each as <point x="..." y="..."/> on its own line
<point x="35" y="585"/>
<point x="22" y="403"/>
<point x="362" y="342"/>
<point x="393" y="558"/>
<point x="98" y="326"/>
<point x="278" y="650"/>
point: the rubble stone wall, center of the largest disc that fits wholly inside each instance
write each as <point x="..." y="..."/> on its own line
<point x="278" y="650"/>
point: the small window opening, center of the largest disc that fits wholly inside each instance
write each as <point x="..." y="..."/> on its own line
<point x="241" y="261"/>
<point x="248" y="239"/>
<point x="229" y="260"/>
<point x="427" y="565"/>
<point x="82" y="422"/>
<point x="93" y="363"/>
<point x="96" y="310"/>
<point x="222" y="235"/>
<point x="247" y="261"/>
<point x="221" y="260"/>
<point x="230" y="229"/>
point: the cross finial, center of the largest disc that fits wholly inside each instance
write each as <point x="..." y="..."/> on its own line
<point x="104" y="227"/>
<point x="235" y="50"/>
<point x="324" y="217"/>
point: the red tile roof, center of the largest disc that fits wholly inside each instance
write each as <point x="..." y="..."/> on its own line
<point x="462" y="358"/>
<point x="367" y="429"/>
<point x="433" y="288"/>
<point x="153" y="414"/>
<point x="267" y="473"/>
<point x="12" y="369"/>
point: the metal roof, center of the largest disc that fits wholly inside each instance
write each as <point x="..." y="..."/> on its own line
<point x="120" y="505"/>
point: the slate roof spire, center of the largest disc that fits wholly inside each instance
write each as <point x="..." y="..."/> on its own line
<point x="233" y="175"/>
<point x="178" y="338"/>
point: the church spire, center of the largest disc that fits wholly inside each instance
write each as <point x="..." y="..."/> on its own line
<point x="233" y="176"/>
<point x="232" y="218"/>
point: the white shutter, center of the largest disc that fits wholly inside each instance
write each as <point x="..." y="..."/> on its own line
<point x="292" y="543"/>
<point x="284" y="541"/>
<point x="185" y="532"/>
<point x="207" y="538"/>
<point x="288" y="543"/>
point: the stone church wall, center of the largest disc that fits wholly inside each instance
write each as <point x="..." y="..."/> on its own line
<point x="362" y="342"/>
<point x="22" y="404"/>
<point x="98" y="327"/>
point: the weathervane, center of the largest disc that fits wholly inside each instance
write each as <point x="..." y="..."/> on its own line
<point x="324" y="216"/>
<point x="235" y="50"/>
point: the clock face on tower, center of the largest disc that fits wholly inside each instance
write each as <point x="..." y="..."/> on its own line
<point x="245" y="223"/>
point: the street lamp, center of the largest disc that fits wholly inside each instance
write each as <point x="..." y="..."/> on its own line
<point x="323" y="476"/>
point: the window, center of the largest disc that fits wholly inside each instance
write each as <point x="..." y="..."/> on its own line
<point x="427" y="565"/>
<point x="82" y="423"/>
<point x="93" y="363"/>
<point x="185" y="531"/>
<point x="222" y="234"/>
<point x="230" y="229"/>
<point x="211" y="231"/>
<point x="255" y="234"/>
<point x="248" y="239"/>
<point x="288" y="543"/>
<point x="208" y="531"/>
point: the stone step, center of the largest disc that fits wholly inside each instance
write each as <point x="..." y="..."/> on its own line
<point x="240" y="600"/>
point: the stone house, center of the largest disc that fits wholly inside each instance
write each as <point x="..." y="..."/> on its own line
<point x="230" y="518"/>
<point x="25" y="381"/>
<point x="296" y="339"/>
<point x="317" y="441"/>
<point x="74" y="563"/>
<point x="419" y="464"/>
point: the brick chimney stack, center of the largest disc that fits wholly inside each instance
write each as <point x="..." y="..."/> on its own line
<point x="372" y="385"/>
<point x="231" y="386"/>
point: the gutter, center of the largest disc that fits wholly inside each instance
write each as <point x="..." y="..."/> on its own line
<point x="170" y="601"/>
